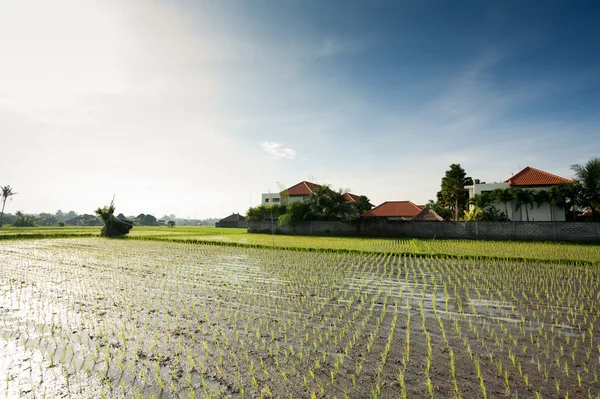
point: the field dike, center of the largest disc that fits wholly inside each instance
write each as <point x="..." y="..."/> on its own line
<point x="416" y="247"/>
<point x="421" y="249"/>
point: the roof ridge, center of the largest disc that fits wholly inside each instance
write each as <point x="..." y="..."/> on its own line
<point x="541" y="175"/>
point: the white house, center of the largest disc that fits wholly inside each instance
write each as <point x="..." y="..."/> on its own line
<point x="528" y="178"/>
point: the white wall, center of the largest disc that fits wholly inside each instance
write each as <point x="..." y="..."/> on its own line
<point x="536" y="214"/>
<point x="541" y="214"/>
<point x="480" y="188"/>
<point x="278" y="200"/>
<point x="266" y="198"/>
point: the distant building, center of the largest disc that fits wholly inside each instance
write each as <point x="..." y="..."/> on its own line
<point x="393" y="210"/>
<point x="233" y="220"/>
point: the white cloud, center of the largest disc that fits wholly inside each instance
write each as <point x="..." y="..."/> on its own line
<point x="277" y="151"/>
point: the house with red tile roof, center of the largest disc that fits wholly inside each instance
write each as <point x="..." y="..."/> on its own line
<point x="297" y="193"/>
<point x="393" y="210"/>
<point x="528" y="178"/>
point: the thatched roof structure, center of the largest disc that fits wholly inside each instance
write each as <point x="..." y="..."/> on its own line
<point x="428" y="215"/>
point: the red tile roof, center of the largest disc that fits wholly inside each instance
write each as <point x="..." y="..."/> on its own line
<point x="306" y="188"/>
<point x="394" y="209"/>
<point x="302" y="188"/>
<point x="535" y="177"/>
<point x="351" y="197"/>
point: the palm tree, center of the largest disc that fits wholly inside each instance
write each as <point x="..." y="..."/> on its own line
<point x="481" y="201"/>
<point x="328" y="204"/>
<point x="524" y="197"/>
<point x="541" y="197"/>
<point x="589" y="177"/>
<point x="7" y="192"/>
<point x="504" y="195"/>
<point x="453" y="188"/>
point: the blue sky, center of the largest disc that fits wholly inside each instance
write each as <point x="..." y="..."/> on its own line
<point x="211" y="103"/>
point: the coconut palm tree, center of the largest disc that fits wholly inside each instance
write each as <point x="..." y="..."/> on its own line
<point x="557" y="197"/>
<point x="7" y="192"/>
<point x="589" y="177"/>
<point x="481" y="201"/>
<point x="504" y="195"/>
<point x="541" y="197"/>
<point x="328" y="204"/>
<point x="524" y="197"/>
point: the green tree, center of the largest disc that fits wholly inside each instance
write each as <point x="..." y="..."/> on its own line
<point x="504" y="195"/>
<point x="573" y="193"/>
<point x="588" y="176"/>
<point x="296" y="212"/>
<point x="362" y="204"/>
<point x="557" y="196"/>
<point x="328" y="204"/>
<point x="263" y="212"/>
<point x="541" y="197"/>
<point x="7" y="192"/>
<point x="481" y="201"/>
<point x="46" y="219"/>
<point x="24" y="220"/>
<point x="453" y="189"/>
<point x="524" y="197"/>
<point x="148" y="220"/>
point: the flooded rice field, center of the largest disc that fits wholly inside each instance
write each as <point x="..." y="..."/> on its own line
<point x="94" y="318"/>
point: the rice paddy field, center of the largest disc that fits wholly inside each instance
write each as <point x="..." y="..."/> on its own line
<point x="216" y="313"/>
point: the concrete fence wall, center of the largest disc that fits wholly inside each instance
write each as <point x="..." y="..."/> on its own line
<point x="533" y="231"/>
<point x="240" y="224"/>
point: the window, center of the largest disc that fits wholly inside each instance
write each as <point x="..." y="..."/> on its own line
<point x="266" y="200"/>
<point x="275" y="199"/>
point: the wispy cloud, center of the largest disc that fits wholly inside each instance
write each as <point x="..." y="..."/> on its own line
<point x="277" y="151"/>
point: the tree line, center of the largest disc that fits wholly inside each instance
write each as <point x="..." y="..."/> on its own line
<point x="60" y="218"/>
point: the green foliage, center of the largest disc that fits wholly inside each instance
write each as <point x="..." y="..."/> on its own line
<point x="296" y="212"/>
<point x="436" y="206"/>
<point x="453" y="194"/>
<point x="524" y="197"/>
<point x="362" y="204"/>
<point x="504" y="195"/>
<point x="105" y="212"/>
<point x="489" y="214"/>
<point x="7" y="192"/>
<point x="24" y="220"/>
<point x="327" y="204"/>
<point x="482" y="200"/>
<point x="263" y="212"/>
<point x="588" y="176"/>
<point x="46" y="219"/>
<point x="148" y="220"/>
